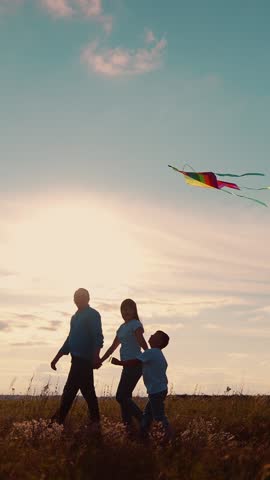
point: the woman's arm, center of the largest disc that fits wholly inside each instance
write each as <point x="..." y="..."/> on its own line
<point x="110" y="350"/>
<point x="140" y="338"/>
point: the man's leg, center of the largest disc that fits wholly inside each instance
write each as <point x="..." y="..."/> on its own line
<point x="69" y="393"/>
<point x="88" y="391"/>
<point x="129" y="379"/>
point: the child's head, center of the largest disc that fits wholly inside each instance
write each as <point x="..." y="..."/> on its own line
<point x="129" y="310"/>
<point x="81" y="298"/>
<point x="159" y="340"/>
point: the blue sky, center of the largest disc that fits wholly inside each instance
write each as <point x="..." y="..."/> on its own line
<point x="96" y="99"/>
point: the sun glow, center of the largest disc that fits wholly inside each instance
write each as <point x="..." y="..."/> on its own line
<point x="72" y="243"/>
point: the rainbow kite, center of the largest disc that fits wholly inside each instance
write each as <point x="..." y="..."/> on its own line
<point x="209" y="180"/>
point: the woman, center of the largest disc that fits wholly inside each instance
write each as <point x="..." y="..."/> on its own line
<point x="130" y="336"/>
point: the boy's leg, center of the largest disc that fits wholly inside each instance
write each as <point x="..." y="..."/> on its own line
<point x="147" y="419"/>
<point x="88" y="391"/>
<point x="157" y="401"/>
<point x="129" y="379"/>
<point x="69" y="393"/>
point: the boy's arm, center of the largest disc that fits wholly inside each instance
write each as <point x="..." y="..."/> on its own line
<point x="126" y="363"/>
<point x="110" y="350"/>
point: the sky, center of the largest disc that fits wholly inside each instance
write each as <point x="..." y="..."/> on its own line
<point x="97" y="98"/>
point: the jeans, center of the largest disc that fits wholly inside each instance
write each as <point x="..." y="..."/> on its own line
<point x="155" y="410"/>
<point x="128" y="381"/>
<point x="80" y="377"/>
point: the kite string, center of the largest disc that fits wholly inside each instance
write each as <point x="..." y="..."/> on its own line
<point x="187" y="165"/>
<point x="243" y="196"/>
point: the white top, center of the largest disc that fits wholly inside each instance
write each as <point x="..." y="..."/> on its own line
<point x="130" y="347"/>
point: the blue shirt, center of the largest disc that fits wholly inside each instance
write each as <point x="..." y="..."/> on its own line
<point x="129" y="343"/>
<point x="85" y="335"/>
<point x="154" y="366"/>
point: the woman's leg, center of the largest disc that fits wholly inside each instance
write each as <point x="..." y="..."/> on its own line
<point x="128" y="381"/>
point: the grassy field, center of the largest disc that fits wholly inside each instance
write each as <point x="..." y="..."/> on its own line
<point x="216" y="438"/>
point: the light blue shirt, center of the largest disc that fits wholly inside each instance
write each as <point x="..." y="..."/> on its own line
<point x="154" y="366"/>
<point x="129" y="344"/>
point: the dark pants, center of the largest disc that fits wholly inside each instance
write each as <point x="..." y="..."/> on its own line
<point x="155" y="410"/>
<point x="128" y="381"/>
<point x="80" y="378"/>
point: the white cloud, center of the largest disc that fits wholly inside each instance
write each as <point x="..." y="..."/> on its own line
<point x="91" y="9"/>
<point x="149" y="36"/>
<point x="237" y="355"/>
<point x="58" y="8"/>
<point x="116" y="62"/>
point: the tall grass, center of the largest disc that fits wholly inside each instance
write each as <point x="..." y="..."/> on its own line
<point x="215" y="438"/>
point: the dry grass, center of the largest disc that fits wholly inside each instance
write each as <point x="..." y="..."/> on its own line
<point x="216" y="438"/>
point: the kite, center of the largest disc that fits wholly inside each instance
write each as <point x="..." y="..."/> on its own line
<point x="210" y="180"/>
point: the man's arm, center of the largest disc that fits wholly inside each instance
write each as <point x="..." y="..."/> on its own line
<point x="64" y="350"/>
<point x="99" y="344"/>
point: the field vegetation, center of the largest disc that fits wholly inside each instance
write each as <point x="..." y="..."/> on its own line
<point x="215" y="438"/>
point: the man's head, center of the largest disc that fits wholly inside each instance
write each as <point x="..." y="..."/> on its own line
<point x="159" y="340"/>
<point x="81" y="298"/>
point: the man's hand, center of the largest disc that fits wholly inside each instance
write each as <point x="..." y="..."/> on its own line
<point x="115" y="361"/>
<point x="53" y="365"/>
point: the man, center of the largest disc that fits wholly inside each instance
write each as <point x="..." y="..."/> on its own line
<point x="84" y="342"/>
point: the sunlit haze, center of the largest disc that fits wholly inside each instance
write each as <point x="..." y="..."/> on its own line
<point x="94" y="105"/>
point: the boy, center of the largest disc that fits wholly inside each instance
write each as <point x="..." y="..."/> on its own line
<point x="84" y="342"/>
<point x="154" y="366"/>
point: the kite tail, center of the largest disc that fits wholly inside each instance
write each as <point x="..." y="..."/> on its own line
<point x="262" y="188"/>
<point x="243" y="196"/>
<point x="243" y="174"/>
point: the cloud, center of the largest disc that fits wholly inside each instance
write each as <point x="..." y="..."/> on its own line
<point x="64" y="314"/>
<point x="116" y="62"/>
<point x="28" y="344"/>
<point x="4" y="326"/>
<point x="26" y="316"/>
<point x="149" y="36"/>
<point x="108" y="307"/>
<point x="58" y="8"/>
<point x="6" y="273"/>
<point x="237" y="355"/>
<point x="91" y="9"/>
<point x="52" y="326"/>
